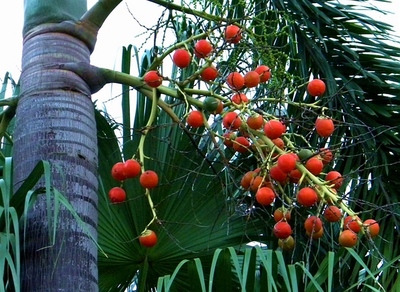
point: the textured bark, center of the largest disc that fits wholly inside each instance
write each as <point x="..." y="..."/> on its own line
<point x="55" y="122"/>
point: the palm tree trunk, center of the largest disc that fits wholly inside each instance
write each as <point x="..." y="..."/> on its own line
<point x="55" y="122"/>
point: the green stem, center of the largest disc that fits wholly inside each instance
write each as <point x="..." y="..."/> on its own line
<point x="142" y="156"/>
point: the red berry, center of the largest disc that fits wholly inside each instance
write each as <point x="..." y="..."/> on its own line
<point x="233" y="34"/>
<point x="228" y="138"/>
<point x="209" y="73"/>
<point x="241" y="144"/>
<point x="313" y="224"/>
<point x="314" y="165"/>
<point x="352" y="223"/>
<point x="274" y="129"/>
<point x="332" y="213"/>
<point x="251" y="79"/>
<point x="117" y="171"/>
<point x="181" y="58"/>
<point x="371" y="227"/>
<point x="307" y="197"/>
<point x="295" y="176"/>
<point x="239" y="98"/>
<point x="316" y="87"/>
<point x="255" y="122"/>
<point x="131" y="168"/>
<point x="153" y="79"/>
<point x="348" y="238"/>
<point x="334" y="177"/>
<point x="202" y="48"/>
<point x="117" y="195"/>
<point x="235" y="81"/>
<point x="148" y="238"/>
<point x="287" y="162"/>
<point x="265" y="196"/>
<point x="231" y="121"/>
<point x="277" y="174"/>
<point x="324" y="127"/>
<point x="148" y="179"/>
<point x="326" y="155"/>
<point x="195" y="119"/>
<point x="282" y="229"/>
<point x="264" y="72"/>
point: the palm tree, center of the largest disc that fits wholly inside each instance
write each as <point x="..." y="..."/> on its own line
<point x="55" y="122"/>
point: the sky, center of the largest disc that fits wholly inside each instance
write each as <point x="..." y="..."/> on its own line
<point x="120" y="29"/>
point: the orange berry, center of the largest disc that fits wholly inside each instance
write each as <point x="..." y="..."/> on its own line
<point x="352" y="224"/>
<point x="324" y="127"/>
<point x="233" y="34"/>
<point x="195" y="119"/>
<point x="255" y="122"/>
<point x="280" y="214"/>
<point x="348" y="238"/>
<point x="257" y="182"/>
<point x="307" y="197"/>
<point x="316" y="87"/>
<point x="181" y="58"/>
<point x="235" y="81"/>
<point x="316" y="234"/>
<point x="202" y="48"/>
<point x="241" y="144"/>
<point x="279" y="143"/>
<point x="312" y="224"/>
<point x="251" y="79"/>
<point x="148" y="179"/>
<point x="295" y="175"/>
<point x="264" y="72"/>
<point x="219" y="109"/>
<point x="246" y="179"/>
<point x="239" y="98"/>
<point x="371" y="227"/>
<point x="332" y="213"/>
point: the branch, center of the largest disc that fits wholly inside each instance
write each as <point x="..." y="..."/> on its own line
<point x="96" y="16"/>
<point x="190" y="11"/>
<point x="96" y="78"/>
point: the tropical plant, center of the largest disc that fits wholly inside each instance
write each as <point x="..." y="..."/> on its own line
<point x="203" y="215"/>
<point x="330" y="41"/>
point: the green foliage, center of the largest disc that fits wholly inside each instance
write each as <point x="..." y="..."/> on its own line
<point x="258" y="269"/>
<point x="13" y="209"/>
